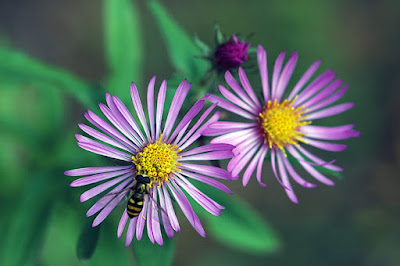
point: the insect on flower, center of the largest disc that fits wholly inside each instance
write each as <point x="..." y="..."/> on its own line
<point x="159" y="167"/>
<point x="281" y="125"/>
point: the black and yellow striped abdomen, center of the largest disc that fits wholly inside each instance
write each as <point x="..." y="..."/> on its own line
<point x="134" y="207"/>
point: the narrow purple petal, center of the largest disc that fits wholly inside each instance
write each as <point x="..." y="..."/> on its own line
<point x="122" y="223"/>
<point x="245" y="159"/>
<point x="103" y="201"/>
<point x="324" y="93"/>
<point x="198" y="132"/>
<point x="229" y="106"/>
<point x="223" y="127"/>
<point x="315" y="86"/>
<point x="123" y="110"/>
<point x="118" y="123"/>
<point x="176" y="105"/>
<point x="160" y="107"/>
<point x="100" y="136"/>
<point x="186" y="208"/>
<point x="107" y="210"/>
<point x="139" y="109"/>
<point x="330" y="133"/>
<point x="241" y="150"/>
<point x="131" y="231"/>
<point x="149" y="221"/>
<point x="263" y="150"/>
<point x="303" y="80"/>
<point x="285" y="179"/>
<point x="164" y="215"/>
<point x="141" y="219"/>
<point x="180" y="134"/>
<point x="232" y="125"/>
<point x="94" y="170"/>
<point x="252" y="166"/>
<point x="317" y="175"/>
<point x="247" y="87"/>
<point x="100" y="188"/>
<point x="208" y="170"/>
<point x="273" y="153"/>
<point x="170" y="209"/>
<point x="336" y="96"/>
<point x="276" y="74"/>
<point x="105" y="151"/>
<point x="299" y="180"/>
<point x="196" y="126"/>
<point x="215" y="155"/>
<point x="150" y="106"/>
<point x="207" y="180"/>
<point x="133" y="133"/>
<point x="203" y="200"/>
<point x="236" y="137"/>
<point x="187" y="119"/>
<point x="207" y="148"/>
<point x="331" y="111"/>
<point x="237" y="88"/>
<point x="235" y="100"/>
<point x="98" y="177"/>
<point x="262" y="65"/>
<point x="318" y="160"/>
<point x="154" y="221"/>
<point x="325" y="145"/>
<point x="286" y="75"/>
<point x="108" y="129"/>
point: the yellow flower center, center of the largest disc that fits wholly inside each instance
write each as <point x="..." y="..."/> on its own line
<point x="280" y="123"/>
<point x="157" y="160"/>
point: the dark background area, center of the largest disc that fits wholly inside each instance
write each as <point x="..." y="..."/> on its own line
<point x="354" y="223"/>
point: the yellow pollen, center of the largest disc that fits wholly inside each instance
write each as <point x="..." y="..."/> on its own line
<point x="157" y="160"/>
<point x="280" y="123"/>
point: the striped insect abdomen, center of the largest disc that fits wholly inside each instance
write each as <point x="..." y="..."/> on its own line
<point x="135" y="206"/>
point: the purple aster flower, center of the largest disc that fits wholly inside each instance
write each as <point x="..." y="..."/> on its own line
<point x="160" y="153"/>
<point x="231" y="54"/>
<point x="281" y="125"/>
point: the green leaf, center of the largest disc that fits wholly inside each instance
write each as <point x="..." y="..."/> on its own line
<point x="149" y="254"/>
<point x="27" y="224"/>
<point x="181" y="48"/>
<point x="88" y="240"/>
<point x="18" y="67"/>
<point x="123" y="46"/>
<point x="239" y="226"/>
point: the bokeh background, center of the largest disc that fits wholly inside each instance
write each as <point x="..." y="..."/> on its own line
<point x="354" y="223"/>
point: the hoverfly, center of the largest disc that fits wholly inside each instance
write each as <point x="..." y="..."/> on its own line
<point x="138" y="190"/>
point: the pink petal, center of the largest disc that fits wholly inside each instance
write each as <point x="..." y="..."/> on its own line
<point x="122" y="223"/>
<point x="247" y="87"/>
<point x="150" y="106"/>
<point x="276" y="74"/>
<point x="303" y="80"/>
<point x="262" y="65"/>
<point x="160" y="107"/>
<point x="94" y="170"/>
<point x="285" y="178"/>
<point x="131" y="231"/>
<point x="331" y="111"/>
<point x="137" y="103"/>
<point x="286" y="75"/>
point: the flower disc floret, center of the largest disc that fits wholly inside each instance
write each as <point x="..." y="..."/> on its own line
<point x="280" y="123"/>
<point x="157" y="160"/>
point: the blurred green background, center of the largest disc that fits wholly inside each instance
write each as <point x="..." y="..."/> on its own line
<point x="353" y="223"/>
